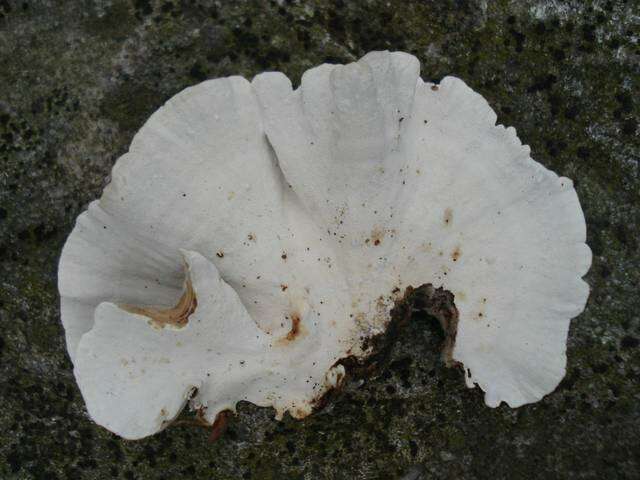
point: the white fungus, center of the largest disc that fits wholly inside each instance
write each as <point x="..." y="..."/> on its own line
<point x="255" y="235"/>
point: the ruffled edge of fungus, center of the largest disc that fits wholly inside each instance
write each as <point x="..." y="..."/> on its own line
<point x="176" y="317"/>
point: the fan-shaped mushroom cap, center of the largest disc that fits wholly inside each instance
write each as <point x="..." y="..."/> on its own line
<point x="302" y="215"/>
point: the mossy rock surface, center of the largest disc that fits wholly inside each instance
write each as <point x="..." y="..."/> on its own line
<point x="78" y="78"/>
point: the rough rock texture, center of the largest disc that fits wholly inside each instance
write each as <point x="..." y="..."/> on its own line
<point x="78" y="78"/>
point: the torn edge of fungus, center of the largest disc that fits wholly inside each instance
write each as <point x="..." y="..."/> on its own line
<point x="220" y="425"/>
<point x="439" y="303"/>
<point x="435" y="302"/>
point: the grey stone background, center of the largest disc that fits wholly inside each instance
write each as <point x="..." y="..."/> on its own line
<point x="78" y="78"/>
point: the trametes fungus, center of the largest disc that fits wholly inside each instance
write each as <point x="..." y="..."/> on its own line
<point x="255" y="235"/>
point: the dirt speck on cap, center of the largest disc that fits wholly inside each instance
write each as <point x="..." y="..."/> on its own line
<point x="377" y="235"/>
<point x="448" y="216"/>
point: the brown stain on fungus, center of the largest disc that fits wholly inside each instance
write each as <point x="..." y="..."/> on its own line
<point x="177" y="316"/>
<point x="448" y="216"/>
<point x="296" y="331"/>
<point x="220" y="425"/>
<point x="377" y="235"/>
<point x="220" y="254"/>
<point x="435" y="88"/>
<point x="295" y="328"/>
<point x="283" y="287"/>
<point x="456" y="254"/>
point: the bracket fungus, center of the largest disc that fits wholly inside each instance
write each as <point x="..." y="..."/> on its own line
<point x="254" y="235"/>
